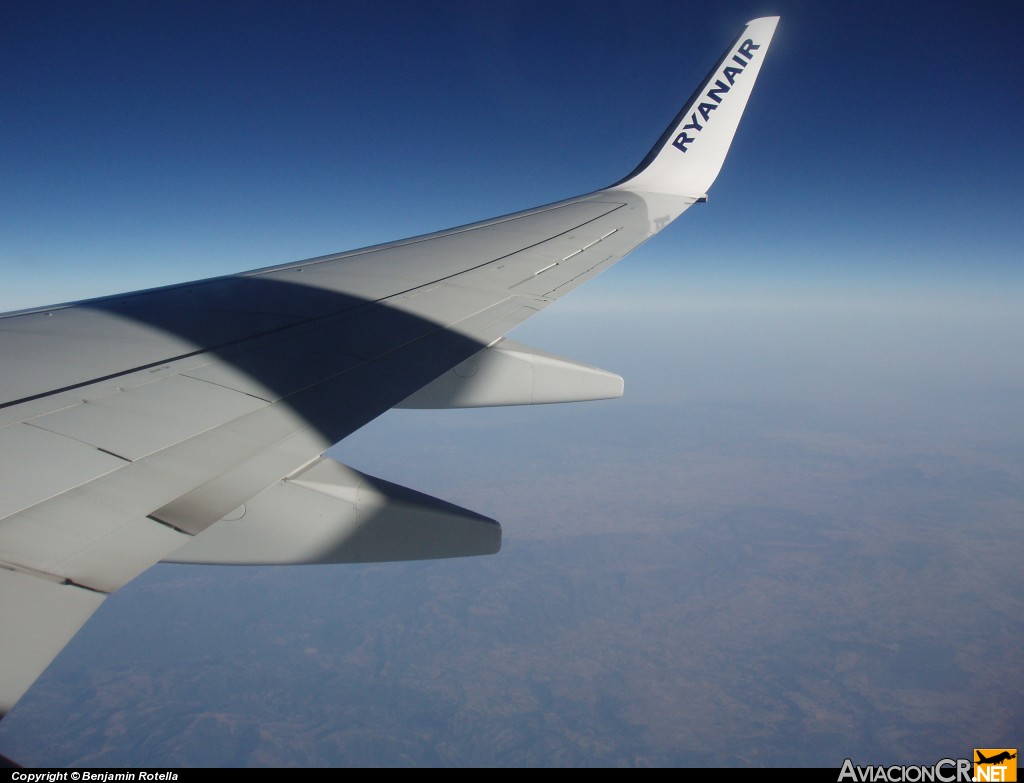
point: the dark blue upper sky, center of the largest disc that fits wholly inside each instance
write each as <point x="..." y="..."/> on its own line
<point x="146" y="143"/>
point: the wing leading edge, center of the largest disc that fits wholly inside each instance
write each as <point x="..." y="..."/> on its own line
<point x="177" y="423"/>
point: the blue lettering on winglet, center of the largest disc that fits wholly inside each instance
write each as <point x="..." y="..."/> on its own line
<point x="710" y="100"/>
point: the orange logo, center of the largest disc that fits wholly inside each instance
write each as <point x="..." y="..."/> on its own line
<point x="998" y="765"/>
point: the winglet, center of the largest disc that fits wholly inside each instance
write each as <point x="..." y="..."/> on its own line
<point x="689" y="155"/>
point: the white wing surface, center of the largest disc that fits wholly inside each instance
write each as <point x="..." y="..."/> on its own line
<point x="188" y="423"/>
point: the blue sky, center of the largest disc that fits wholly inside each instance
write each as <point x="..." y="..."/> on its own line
<point x="147" y="143"/>
<point x="794" y="540"/>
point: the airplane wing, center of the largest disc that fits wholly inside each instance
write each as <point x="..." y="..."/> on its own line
<point x="188" y="423"/>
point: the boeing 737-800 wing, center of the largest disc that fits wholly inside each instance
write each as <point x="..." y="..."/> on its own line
<point x="188" y="423"/>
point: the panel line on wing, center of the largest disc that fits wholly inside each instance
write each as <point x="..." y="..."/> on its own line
<point x="351" y="254"/>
